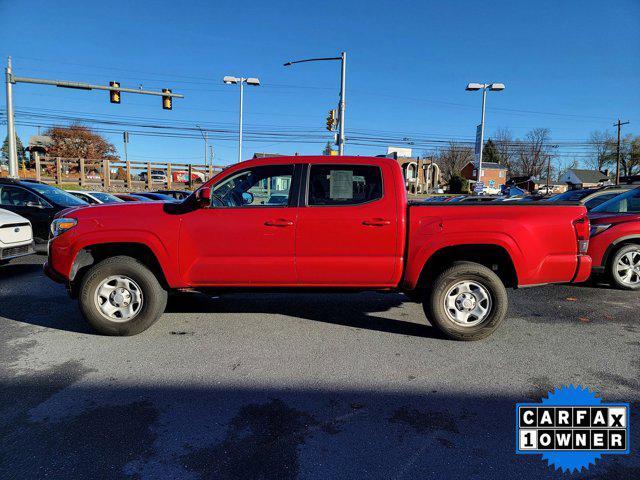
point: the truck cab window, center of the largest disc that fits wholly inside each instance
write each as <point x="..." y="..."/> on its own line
<point x="344" y="184"/>
<point x="257" y="187"/>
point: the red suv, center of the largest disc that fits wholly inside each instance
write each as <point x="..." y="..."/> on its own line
<point x="614" y="245"/>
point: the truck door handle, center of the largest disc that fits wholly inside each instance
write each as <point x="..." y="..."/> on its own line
<point x="376" y="222"/>
<point x="280" y="222"/>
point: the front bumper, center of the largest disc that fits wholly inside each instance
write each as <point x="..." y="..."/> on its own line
<point x="52" y="274"/>
<point x="7" y="253"/>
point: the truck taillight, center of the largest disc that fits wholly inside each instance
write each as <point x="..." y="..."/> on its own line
<point x="582" y="228"/>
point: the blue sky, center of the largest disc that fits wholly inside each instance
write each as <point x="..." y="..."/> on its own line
<point x="571" y="66"/>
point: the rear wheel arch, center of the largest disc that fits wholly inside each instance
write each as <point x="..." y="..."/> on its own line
<point x="492" y="256"/>
<point x="93" y="254"/>
<point x="612" y="249"/>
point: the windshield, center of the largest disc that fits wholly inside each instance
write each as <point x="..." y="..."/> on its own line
<point x="56" y="195"/>
<point x="106" y="197"/>
<point x="570" y="196"/>
<point x="628" y="202"/>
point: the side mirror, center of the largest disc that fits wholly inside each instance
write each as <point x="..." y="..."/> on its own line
<point x="247" y="198"/>
<point x="203" y="197"/>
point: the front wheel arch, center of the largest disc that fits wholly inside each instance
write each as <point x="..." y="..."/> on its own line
<point x="94" y="254"/>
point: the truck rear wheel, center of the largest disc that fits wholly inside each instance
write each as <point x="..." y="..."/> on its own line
<point x="121" y="296"/>
<point x="466" y="302"/>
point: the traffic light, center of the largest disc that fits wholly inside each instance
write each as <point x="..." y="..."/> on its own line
<point x="331" y="120"/>
<point x="114" y="95"/>
<point x="166" y="100"/>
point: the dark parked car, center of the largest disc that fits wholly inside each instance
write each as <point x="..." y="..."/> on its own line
<point x="177" y="194"/>
<point x="590" y="197"/>
<point x="38" y="202"/>
<point x="131" y="197"/>
<point x="156" y="196"/>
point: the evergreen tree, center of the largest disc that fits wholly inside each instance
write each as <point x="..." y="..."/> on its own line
<point x="4" y="156"/>
<point x="458" y="184"/>
<point x="490" y="152"/>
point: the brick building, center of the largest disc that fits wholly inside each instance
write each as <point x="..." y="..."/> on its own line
<point x="494" y="175"/>
<point x="420" y="174"/>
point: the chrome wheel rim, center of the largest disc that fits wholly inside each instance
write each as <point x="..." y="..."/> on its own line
<point x="467" y="303"/>
<point x="118" y="298"/>
<point x="627" y="269"/>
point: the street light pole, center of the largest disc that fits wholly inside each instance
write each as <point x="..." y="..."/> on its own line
<point x="484" y="87"/>
<point x="484" y="102"/>
<point x="242" y="80"/>
<point x="11" y="129"/>
<point x="343" y="82"/>
<point x="234" y="81"/>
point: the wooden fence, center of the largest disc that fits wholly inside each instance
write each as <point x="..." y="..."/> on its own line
<point x="117" y="174"/>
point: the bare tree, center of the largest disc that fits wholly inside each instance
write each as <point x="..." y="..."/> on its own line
<point x="452" y="159"/>
<point x="532" y="153"/>
<point x="629" y="155"/>
<point x="603" y="151"/>
<point x="503" y="141"/>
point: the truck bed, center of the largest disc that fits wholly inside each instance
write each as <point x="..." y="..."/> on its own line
<point x="540" y="238"/>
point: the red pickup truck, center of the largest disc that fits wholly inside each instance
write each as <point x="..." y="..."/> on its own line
<point x="315" y="222"/>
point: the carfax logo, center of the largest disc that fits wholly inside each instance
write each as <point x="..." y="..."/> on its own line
<point x="572" y="428"/>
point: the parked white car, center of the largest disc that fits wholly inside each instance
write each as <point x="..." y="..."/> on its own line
<point x="16" y="236"/>
<point x="94" y="198"/>
<point x="156" y="176"/>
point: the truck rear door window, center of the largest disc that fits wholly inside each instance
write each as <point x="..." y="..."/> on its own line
<point x="344" y="184"/>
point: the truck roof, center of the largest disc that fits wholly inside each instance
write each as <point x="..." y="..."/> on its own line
<point x="326" y="159"/>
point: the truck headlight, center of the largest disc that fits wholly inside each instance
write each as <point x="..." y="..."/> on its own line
<point x="61" y="225"/>
<point x="596" y="229"/>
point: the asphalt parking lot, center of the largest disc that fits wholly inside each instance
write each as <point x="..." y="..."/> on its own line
<point x="309" y="386"/>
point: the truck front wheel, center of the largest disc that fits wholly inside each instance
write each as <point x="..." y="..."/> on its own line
<point x="467" y="301"/>
<point x="121" y="296"/>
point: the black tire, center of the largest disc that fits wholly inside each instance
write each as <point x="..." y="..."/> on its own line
<point x="614" y="278"/>
<point x="497" y="303"/>
<point x="154" y="297"/>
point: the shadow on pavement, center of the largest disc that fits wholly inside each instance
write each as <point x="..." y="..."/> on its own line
<point x="347" y="309"/>
<point x="56" y="310"/>
<point x="12" y="271"/>
<point x="51" y="427"/>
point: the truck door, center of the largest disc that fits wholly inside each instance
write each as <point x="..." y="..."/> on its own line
<point x="247" y="236"/>
<point x="347" y="229"/>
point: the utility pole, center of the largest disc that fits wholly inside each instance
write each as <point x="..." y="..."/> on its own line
<point x="549" y="167"/>
<point x="125" y="140"/>
<point x="343" y="105"/>
<point x="11" y="129"/>
<point x="211" y="155"/>
<point x="205" y="137"/>
<point x="548" y="171"/>
<point x="619" y="125"/>
<point x="114" y="89"/>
